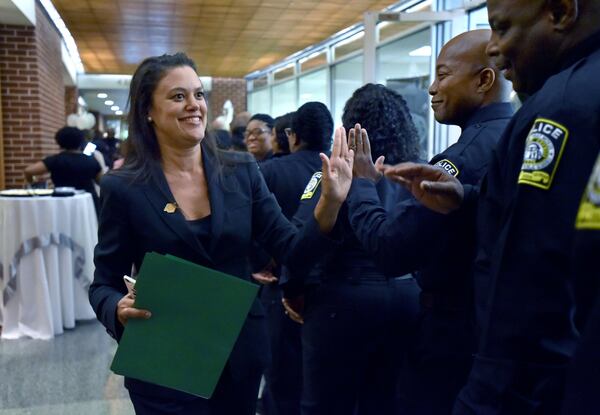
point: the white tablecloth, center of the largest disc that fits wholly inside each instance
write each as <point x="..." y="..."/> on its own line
<point x="46" y="264"/>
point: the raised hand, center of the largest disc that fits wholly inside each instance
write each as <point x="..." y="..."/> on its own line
<point x="358" y="140"/>
<point x="337" y="170"/>
<point x="432" y="186"/>
<point x="335" y="182"/>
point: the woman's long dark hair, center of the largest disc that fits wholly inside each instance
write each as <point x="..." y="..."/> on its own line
<point x="142" y="151"/>
<point x="385" y="115"/>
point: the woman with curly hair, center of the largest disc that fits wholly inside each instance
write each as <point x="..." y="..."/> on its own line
<point x="357" y="320"/>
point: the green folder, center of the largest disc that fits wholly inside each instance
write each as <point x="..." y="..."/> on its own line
<point x="197" y="315"/>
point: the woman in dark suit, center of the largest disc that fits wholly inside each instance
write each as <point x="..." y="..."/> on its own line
<point x="177" y="194"/>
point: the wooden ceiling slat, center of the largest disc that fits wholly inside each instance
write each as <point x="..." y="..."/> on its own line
<point x="229" y="37"/>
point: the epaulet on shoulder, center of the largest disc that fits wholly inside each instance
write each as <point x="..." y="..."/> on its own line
<point x="229" y="157"/>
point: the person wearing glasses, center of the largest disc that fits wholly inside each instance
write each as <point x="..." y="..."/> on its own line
<point x="258" y="135"/>
<point x="279" y="141"/>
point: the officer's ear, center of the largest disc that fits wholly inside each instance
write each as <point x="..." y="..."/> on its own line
<point x="562" y="13"/>
<point x="487" y="77"/>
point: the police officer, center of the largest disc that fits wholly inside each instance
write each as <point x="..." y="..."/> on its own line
<point x="528" y="203"/>
<point x="357" y="321"/>
<point x="583" y="381"/>
<point x="468" y="91"/>
<point x="309" y="133"/>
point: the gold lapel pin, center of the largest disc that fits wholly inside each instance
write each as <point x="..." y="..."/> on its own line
<point x="170" y="207"/>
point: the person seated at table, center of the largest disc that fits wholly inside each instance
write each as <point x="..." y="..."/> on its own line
<point x="70" y="167"/>
<point x="178" y="194"/>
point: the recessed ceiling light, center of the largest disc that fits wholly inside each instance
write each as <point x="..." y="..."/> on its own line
<point x="109" y="102"/>
<point x="102" y="95"/>
<point x="118" y="112"/>
<point x="115" y="108"/>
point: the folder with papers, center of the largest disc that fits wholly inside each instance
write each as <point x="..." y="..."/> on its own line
<point x="197" y="315"/>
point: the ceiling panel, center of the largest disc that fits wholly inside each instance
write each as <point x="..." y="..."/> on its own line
<point x="227" y="38"/>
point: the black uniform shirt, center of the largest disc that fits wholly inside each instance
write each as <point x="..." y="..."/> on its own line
<point x="412" y="237"/>
<point x="527" y="210"/>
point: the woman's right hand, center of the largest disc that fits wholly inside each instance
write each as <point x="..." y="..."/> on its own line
<point x="125" y="310"/>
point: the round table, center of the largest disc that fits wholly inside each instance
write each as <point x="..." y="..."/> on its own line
<point x="46" y="263"/>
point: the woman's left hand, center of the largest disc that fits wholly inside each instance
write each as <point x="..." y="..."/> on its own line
<point x="358" y="140"/>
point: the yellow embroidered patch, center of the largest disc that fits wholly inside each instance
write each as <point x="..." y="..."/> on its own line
<point x="448" y="166"/>
<point x="312" y="185"/>
<point x="588" y="216"/>
<point x="543" y="149"/>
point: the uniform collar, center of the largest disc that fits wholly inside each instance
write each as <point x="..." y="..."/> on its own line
<point x="580" y="51"/>
<point x="490" y="112"/>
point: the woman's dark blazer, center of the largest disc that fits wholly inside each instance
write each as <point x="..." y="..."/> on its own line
<point x="133" y="222"/>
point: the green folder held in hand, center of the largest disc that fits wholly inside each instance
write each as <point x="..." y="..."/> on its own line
<point x="197" y="315"/>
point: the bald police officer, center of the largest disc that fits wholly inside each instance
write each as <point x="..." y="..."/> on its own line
<point x="550" y="50"/>
<point x="468" y="91"/>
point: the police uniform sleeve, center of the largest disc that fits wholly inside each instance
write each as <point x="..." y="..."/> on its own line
<point x="400" y="241"/>
<point x="293" y="246"/>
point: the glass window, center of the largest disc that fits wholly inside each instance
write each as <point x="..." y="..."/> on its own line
<point x="348" y="45"/>
<point x="346" y="78"/>
<point x="313" y="61"/>
<point x="404" y="65"/>
<point x="284" y="73"/>
<point x="258" y="101"/>
<point x="478" y="19"/>
<point x="284" y="98"/>
<point x="260" y="82"/>
<point x="313" y="87"/>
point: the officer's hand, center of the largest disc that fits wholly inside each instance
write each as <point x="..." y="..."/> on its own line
<point x="125" y="310"/>
<point x="358" y="140"/>
<point x="294" y="307"/>
<point x="335" y="182"/>
<point x="264" y="277"/>
<point x="432" y="186"/>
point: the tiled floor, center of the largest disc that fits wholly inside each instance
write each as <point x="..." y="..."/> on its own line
<point x="67" y="375"/>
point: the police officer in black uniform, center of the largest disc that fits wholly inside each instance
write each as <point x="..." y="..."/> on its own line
<point x="583" y="381"/>
<point x="528" y="203"/>
<point x="357" y="321"/>
<point x="310" y="133"/>
<point x="468" y="91"/>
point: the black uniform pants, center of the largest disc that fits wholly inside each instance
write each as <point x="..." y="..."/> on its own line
<point x="440" y="361"/>
<point x="354" y="342"/>
<point x="283" y="378"/>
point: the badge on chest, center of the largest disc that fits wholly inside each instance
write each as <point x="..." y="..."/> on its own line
<point x="588" y="216"/>
<point x="543" y="149"/>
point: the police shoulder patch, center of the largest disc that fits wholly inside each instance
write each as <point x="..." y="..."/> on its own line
<point x="588" y="216"/>
<point x="448" y="166"/>
<point x="543" y="149"/>
<point x="311" y="187"/>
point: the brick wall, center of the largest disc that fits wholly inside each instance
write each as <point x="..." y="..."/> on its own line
<point x="224" y="89"/>
<point x="71" y="95"/>
<point x="32" y="94"/>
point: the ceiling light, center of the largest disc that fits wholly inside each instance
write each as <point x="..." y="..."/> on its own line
<point x="118" y="112"/>
<point x="422" y="51"/>
<point x="115" y="108"/>
<point x="109" y="102"/>
<point x="102" y="95"/>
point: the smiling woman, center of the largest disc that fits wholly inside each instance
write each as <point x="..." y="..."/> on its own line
<point x="177" y="194"/>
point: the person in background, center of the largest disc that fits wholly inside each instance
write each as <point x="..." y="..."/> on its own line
<point x="178" y="194"/>
<point x="279" y="140"/>
<point x="258" y="136"/>
<point x="220" y="130"/>
<point x="237" y="130"/>
<point x="70" y="167"/>
<point x="470" y="92"/>
<point x="358" y="322"/>
<point x="309" y="130"/>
